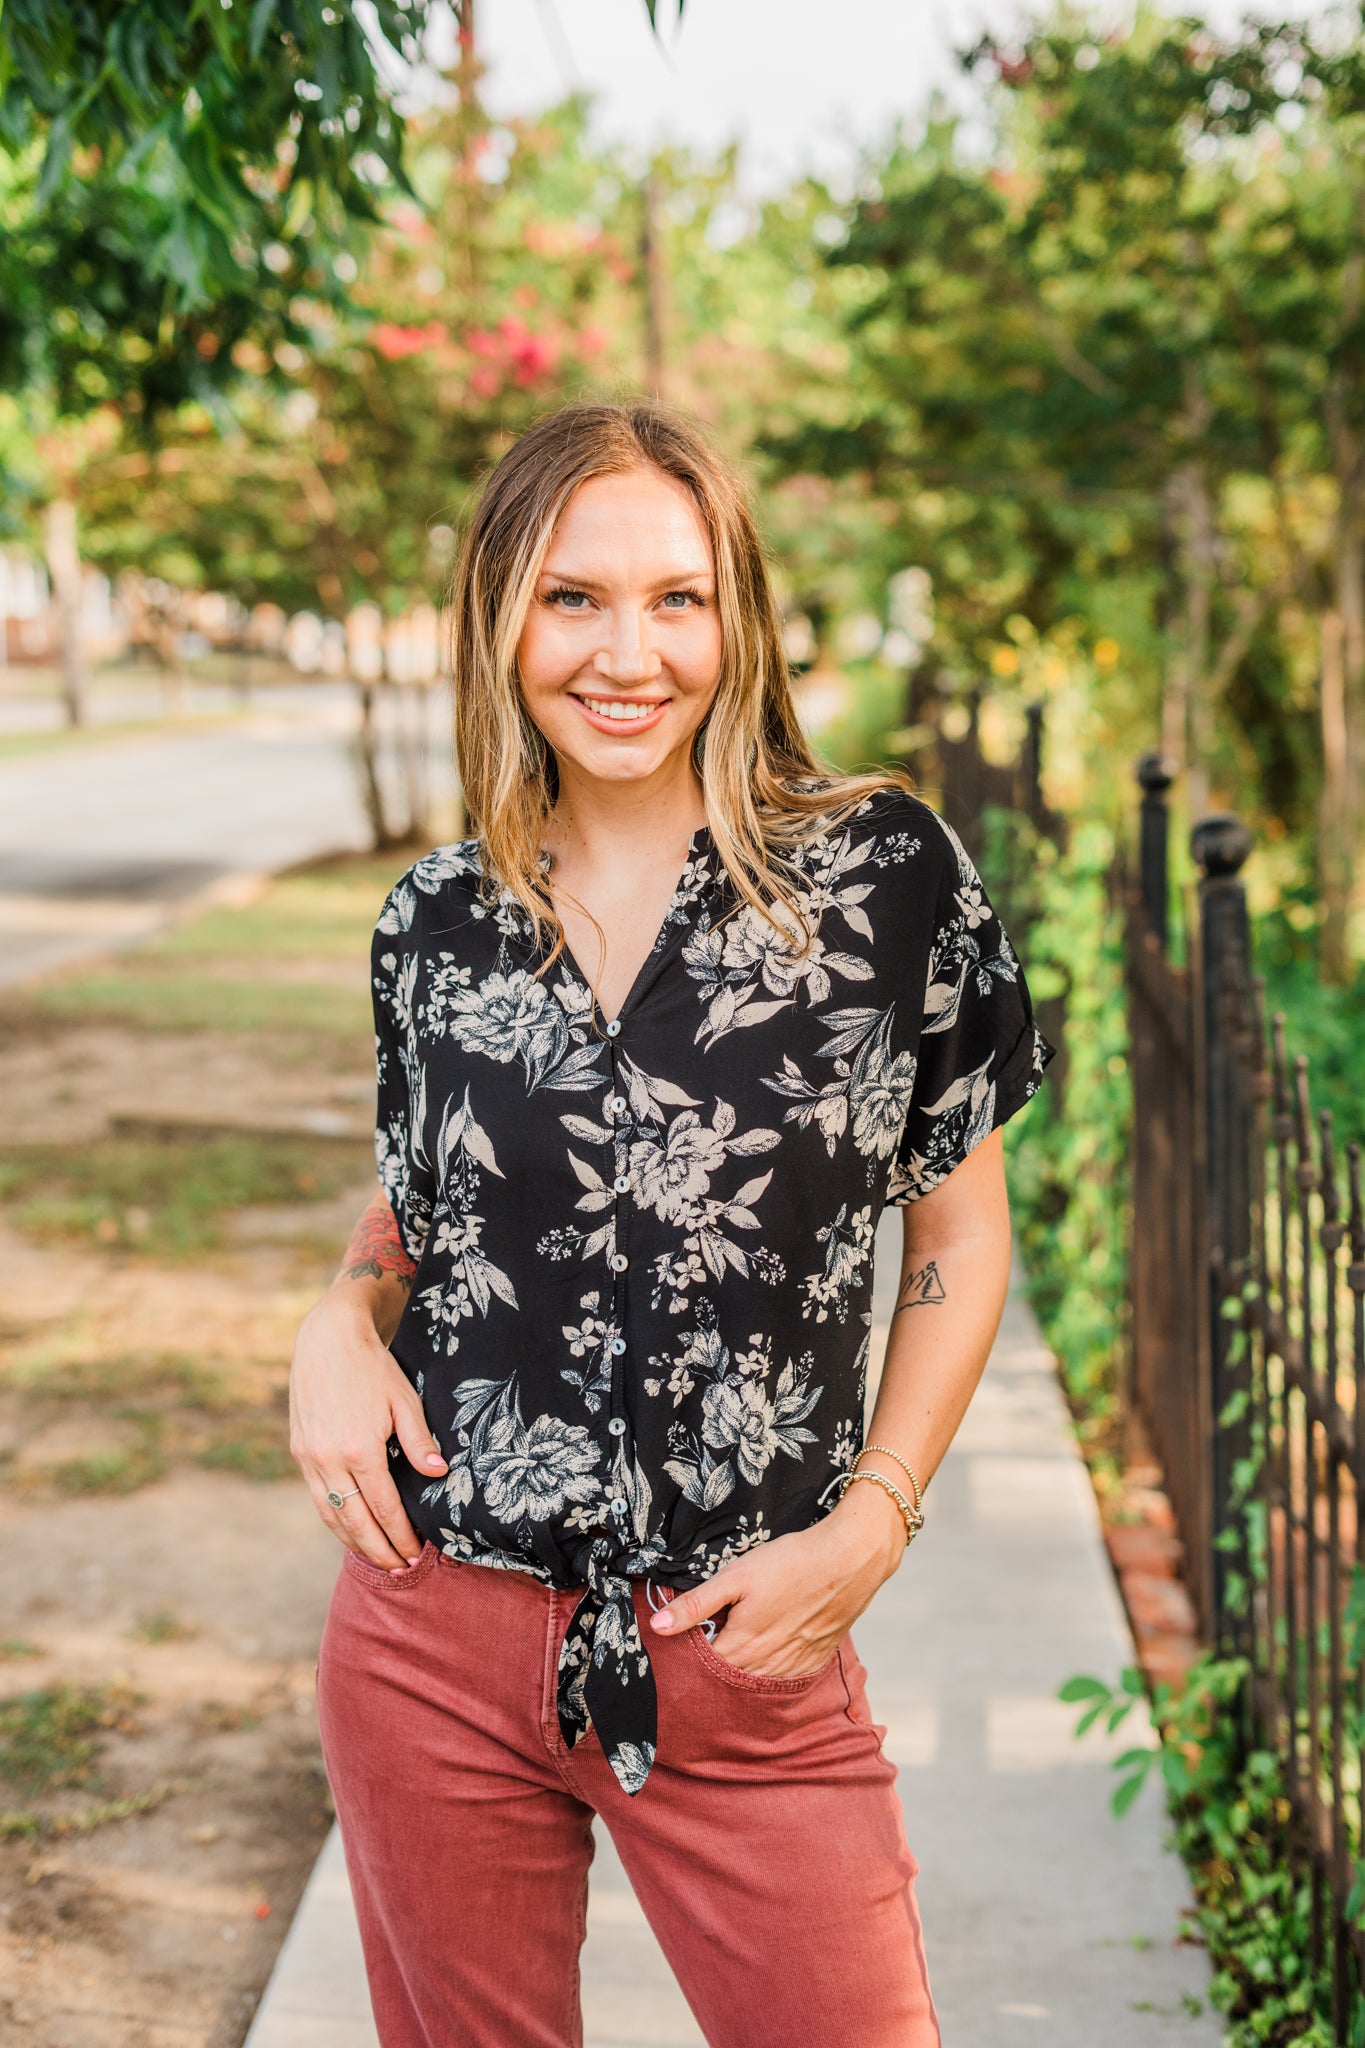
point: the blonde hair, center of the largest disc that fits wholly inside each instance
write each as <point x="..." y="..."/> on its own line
<point x="758" y="809"/>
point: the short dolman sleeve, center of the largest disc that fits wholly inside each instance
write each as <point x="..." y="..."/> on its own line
<point x="400" y="1137"/>
<point x="981" y="1055"/>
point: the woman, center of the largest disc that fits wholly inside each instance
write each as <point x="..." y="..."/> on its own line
<point x="585" y="1403"/>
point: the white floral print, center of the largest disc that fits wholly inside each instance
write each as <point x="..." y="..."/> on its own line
<point x="624" y="1381"/>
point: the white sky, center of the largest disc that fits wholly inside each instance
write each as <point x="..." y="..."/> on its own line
<point x="804" y="84"/>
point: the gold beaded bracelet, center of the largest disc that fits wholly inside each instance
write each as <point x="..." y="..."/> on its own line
<point x="914" y="1521"/>
<point x="887" y="1452"/>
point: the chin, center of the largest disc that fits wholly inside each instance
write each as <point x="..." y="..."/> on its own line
<point x="613" y="767"/>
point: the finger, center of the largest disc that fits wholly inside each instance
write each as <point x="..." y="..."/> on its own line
<point x="354" y="1525"/>
<point x="420" y="1447"/>
<point x="687" y="1609"/>
<point x="382" y="1498"/>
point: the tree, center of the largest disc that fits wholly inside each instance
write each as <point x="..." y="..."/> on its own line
<point x="175" y="174"/>
<point x="1101" y="370"/>
<point x="182" y="188"/>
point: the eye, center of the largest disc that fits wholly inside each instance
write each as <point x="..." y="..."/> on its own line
<point x="680" y="600"/>
<point x="567" y="600"/>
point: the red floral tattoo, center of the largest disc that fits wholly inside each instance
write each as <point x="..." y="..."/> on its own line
<point x="376" y="1248"/>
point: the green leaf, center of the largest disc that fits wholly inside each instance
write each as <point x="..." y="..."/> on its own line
<point x="1082" y="1688"/>
<point x="262" y="15"/>
<point x="1127" y="1793"/>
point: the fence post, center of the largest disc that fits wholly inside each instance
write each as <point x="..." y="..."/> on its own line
<point x="1220" y="844"/>
<point x="1033" y="762"/>
<point x="1155" y="777"/>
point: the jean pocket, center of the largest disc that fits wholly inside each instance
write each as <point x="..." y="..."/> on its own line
<point x="385" y="1581"/>
<point x="757" y="1681"/>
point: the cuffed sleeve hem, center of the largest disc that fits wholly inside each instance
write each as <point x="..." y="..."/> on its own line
<point x="1018" y="1082"/>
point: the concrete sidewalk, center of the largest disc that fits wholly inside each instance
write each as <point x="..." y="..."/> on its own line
<point x="1045" y="1919"/>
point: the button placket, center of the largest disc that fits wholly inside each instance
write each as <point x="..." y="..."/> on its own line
<point x="617" y="1105"/>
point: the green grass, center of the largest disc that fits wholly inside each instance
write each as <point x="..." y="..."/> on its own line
<point x="50" y="1739"/>
<point x="18" y="746"/>
<point x="291" y="970"/>
<point x="164" y="1627"/>
<point x="320" y="913"/>
<point x="166" y="1197"/>
<point x="159" y="1376"/>
<point x="144" y="995"/>
<point x="258" y="1450"/>
<point x="246" y="969"/>
<point x="164" y="1410"/>
<point x="120" y="1468"/>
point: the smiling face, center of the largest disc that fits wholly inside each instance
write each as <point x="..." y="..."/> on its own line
<point x="620" y="655"/>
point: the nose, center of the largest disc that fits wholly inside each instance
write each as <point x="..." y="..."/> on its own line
<point x="627" y="655"/>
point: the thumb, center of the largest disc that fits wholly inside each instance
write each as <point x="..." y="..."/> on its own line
<point x="419" y="1445"/>
<point x="688" y="1609"/>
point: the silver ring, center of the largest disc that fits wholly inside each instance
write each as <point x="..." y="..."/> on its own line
<point x="336" y="1500"/>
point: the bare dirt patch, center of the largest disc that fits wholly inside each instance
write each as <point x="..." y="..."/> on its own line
<point x="161" y="1792"/>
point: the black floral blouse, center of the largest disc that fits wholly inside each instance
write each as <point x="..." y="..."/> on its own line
<point x="642" y="1312"/>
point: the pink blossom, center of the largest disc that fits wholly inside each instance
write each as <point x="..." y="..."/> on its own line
<point x="394" y="342"/>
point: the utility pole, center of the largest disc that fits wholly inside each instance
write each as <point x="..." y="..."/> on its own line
<point x="470" y="135"/>
<point x="653" y="279"/>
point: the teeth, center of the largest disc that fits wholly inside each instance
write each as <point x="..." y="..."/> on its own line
<point x="611" y="707"/>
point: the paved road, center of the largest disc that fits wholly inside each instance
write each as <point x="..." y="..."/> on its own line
<point x="1045" y="1919"/>
<point x="101" y="842"/>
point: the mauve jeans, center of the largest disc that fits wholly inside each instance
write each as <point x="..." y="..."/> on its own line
<point x="766" y="1847"/>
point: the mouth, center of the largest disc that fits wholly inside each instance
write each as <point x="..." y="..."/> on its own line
<point x="620" y="714"/>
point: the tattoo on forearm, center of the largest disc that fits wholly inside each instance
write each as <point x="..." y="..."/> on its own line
<point x="922" y="1289"/>
<point x="376" y="1249"/>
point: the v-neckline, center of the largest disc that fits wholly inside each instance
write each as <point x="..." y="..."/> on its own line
<point x="701" y="836"/>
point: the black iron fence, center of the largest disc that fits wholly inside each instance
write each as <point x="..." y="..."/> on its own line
<point x="1248" y="1354"/>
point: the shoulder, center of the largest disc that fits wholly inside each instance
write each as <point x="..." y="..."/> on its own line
<point x="896" y="832"/>
<point x="448" y="867"/>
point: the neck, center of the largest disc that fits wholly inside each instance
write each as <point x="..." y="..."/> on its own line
<point x="605" y="825"/>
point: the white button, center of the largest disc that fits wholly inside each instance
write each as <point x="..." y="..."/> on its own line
<point x="618" y="1507"/>
<point x="616" y="1427"/>
<point x="617" y="1105"/>
<point x="619" y="1262"/>
<point x="622" y="1183"/>
<point x="618" y="1345"/>
<point x="613" y="1029"/>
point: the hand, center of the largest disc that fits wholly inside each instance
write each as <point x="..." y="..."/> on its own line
<point x="347" y="1397"/>
<point x="792" y="1601"/>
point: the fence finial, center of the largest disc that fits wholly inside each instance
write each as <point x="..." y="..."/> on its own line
<point x="1220" y="843"/>
<point x="1155" y="775"/>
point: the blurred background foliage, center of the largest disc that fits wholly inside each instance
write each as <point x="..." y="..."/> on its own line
<point x="1061" y="406"/>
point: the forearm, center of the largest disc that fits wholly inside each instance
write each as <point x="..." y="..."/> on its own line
<point x="792" y="1600"/>
<point x="953" y="1281"/>
<point x="349" y="1397"/>
<point x="937" y="1349"/>
<point x="376" y="1274"/>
